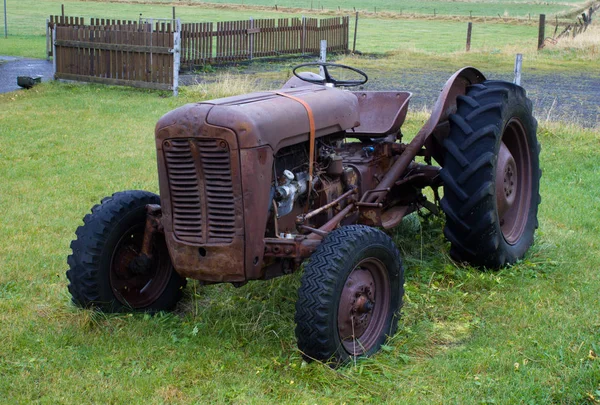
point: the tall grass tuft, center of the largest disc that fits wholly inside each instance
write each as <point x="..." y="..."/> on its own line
<point x="587" y="43"/>
<point x="224" y="85"/>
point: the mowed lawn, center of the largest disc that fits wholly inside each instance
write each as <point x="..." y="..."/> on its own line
<point x="526" y="334"/>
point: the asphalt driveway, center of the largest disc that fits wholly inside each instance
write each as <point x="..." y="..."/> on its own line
<point x="11" y="67"/>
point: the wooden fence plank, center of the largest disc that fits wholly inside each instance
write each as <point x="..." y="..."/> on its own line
<point x="104" y="80"/>
<point x="140" y="47"/>
<point x="126" y="51"/>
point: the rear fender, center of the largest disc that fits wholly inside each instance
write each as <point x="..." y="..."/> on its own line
<point x="437" y="127"/>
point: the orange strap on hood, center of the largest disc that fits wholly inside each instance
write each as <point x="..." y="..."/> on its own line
<point x="311" y="152"/>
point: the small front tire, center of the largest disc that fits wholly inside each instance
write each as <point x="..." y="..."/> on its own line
<point x="350" y="295"/>
<point x="110" y="239"/>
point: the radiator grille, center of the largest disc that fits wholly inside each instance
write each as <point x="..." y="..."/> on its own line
<point x="201" y="190"/>
<point x="216" y="166"/>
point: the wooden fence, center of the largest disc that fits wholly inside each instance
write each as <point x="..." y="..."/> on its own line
<point x="229" y="41"/>
<point x="570" y="30"/>
<point x="69" y="21"/>
<point x="127" y="54"/>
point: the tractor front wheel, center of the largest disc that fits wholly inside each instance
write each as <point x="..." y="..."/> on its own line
<point x="491" y="175"/>
<point x="350" y="295"/>
<point x="102" y="273"/>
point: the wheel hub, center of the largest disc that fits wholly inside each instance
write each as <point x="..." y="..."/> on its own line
<point x="136" y="279"/>
<point x="358" y="302"/>
<point x="513" y="181"/>
<point x="506" y="180"/>
<point x="363" y="308"/>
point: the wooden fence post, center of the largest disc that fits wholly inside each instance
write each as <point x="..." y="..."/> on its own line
<point x="62" y="9"/>
<point x="355" y="28"/>
<point x="469" y="29"/>
<point x="541" y="34"/>
<point x="518" y="64"/>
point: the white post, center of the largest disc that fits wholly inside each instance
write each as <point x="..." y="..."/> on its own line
<point x="518" y="64"/>
<point x="54" y="51"/>
<point x="176" y="56"/>
<point x="251" y="39"/>
<point x="323" y="56"/>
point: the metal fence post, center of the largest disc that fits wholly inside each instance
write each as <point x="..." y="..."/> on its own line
<point x="176" y="56"/>
<point x="54" y="57"/>
<point x="518" y="64"/>
<point x="323" y="57"/>
<point x="48" y="39"/>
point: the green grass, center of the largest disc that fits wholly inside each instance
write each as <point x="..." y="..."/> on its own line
<point x="476" y="8"/>
<point x="376" y="34"/>
<point x="526" y="334"/>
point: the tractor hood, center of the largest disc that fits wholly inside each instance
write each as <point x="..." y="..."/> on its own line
<point x="215" y="166"/>
<point x="267" y="118"/>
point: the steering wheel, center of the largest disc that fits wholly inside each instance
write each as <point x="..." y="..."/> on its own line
<point x="328" y="78"/>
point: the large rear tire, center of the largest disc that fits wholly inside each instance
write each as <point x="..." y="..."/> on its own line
<point x="350" y="295"/>
<point x="110" y="239"/>
<point x="491" y="175"/>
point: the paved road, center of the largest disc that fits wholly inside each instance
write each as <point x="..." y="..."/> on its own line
<point x="11" y="67"/>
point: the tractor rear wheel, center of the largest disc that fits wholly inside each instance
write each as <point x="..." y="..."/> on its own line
<point x="350" y="295"/>
<point x="101" y="274"/>
<point x="491" y="175"/>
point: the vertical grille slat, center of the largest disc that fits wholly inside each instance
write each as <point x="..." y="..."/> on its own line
<point x="216" y="165"/>
<point x="189" y="195"/>
<point x="185" y="191"/>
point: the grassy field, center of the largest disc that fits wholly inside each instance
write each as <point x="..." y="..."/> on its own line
<point x="376" y="34"/>
<point x="506" y="8"/>
<point x="527" y="334"/>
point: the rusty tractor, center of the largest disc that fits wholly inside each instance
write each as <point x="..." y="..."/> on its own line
<point x="251" y="186"/>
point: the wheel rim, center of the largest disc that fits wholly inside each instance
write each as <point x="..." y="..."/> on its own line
<point x="364" y="306"/>
<point x="139" y="290"/>
<point x="513" y="181"/>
